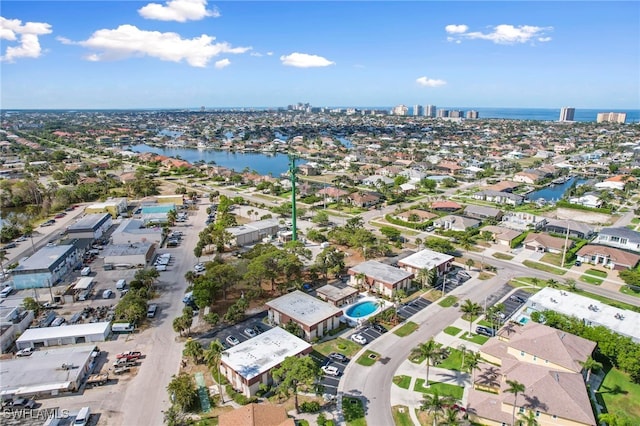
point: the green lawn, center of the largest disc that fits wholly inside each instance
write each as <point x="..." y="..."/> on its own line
<point x="353" y="411"/>
<point x="452" y="331"/>
<point x="401" y="416"/>
<point x="476" y="338"/>
<point x="402" y="381"/>
<point x="448" y="301"/>
<point x="631" y="291"/>
<point x="621" y="396"/>
<point x="502" y="256"/>
<point x="590" y="279"/>
<point x="543" y="267"/>
<point x="406" y="329"/>
<point x="596" y="273"/>
<point x="453" y="361"/>
<point x="343" y="346"/>
<point x="368" y="358"/>
<point x="444" y="389"/>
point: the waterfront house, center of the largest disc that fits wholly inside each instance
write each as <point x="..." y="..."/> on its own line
<point x="523" y="221"/>
<point x="615" y="182"/>
<point x="575" y="229"/>
<point x="499" y="197"/>
<point x="588" y="200"/>
<point x="527" y="177"/>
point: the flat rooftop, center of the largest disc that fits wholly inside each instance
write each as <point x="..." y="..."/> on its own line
<point x="572" y="304"/>
<point x="83" y="283"/>
<point x="43" y="370"/>
<point x="426" y="259"/>
<point x="263" y="352"/>
<point x="90" y="222"/>
<point x="303" y="308"/>
<point x="64" y="331"/>
<point x="381" y="272"/>
<point x="44" y="258"/>
<point x="336" y="293"/>
<point x="126" y="249"/>
<point x="136" y="226"/>
<point x="253" y="226"/>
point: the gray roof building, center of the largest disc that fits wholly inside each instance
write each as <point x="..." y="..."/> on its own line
<point x="621" y="237"/>
<point x="90" y="222"/>
<point x="45" y="267"/>
<point x="303" y="308"/>
<point x="379" y="271"/>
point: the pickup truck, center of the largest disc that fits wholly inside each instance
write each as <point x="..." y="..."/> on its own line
<point x="121" y="370"/>
<point x="124" y="362"/>
<point x="97" y="379"/>
<point x="129" y="355"/>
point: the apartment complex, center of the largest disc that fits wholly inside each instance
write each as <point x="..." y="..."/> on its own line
<point x="611" y="117"/>
<point x="567" y="113"/>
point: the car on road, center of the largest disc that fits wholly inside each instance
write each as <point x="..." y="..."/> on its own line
<point x="25" y="352"/>
<point x="60" y="215"/>
<point x="249" y="332"/>
<point x="199" y="267"/>
<point x="330" y="370"/>
<point x="485" y="331"/>
<point x="20" y="239"/>
<point x="48" y="223"/>
<point x="379" y="328"/>
<point x="338" y="357"/>
<point x="9" y="246"/>
<point x="430" y="229"/>
<point x="359" y="338"/>
<point x="232" y="340"/>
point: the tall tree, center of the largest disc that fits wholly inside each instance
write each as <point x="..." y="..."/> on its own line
<point x="590" y="365"/>
<point x="470" y="310"/>
<point x="528" y="419"/>
<point x="516" y="388"/>
<point x="193" y="349"/>
<point x="212" y="357"/>
<point x="431" y="351"/>
<point x="294" y="374"/>
<point x="182" y="391"/>
<point x="435" y="404"/>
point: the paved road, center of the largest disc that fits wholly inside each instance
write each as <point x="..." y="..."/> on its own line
<point x="373" y="384"/>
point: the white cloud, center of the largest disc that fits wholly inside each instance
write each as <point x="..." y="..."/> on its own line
<point x="430" y="82"/>
<point x="269" y="53"/>
<point x="26" y="35"/>
<point x="501" y="34"/>
<point x="256" y="54"/>
<point x="128" y="40"/>
<point x="178" y="10"/>
<point x="456" y="29"/>
<point x="222" y="63"/>
<point x="304" y="60"/>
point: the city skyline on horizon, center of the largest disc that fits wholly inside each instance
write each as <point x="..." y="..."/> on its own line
<point x="181" y="53"/>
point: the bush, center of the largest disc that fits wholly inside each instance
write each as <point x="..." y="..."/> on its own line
<point x="239" y="398"/>
<point x="310" y="407"/>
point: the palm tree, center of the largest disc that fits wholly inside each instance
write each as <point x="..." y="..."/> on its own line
<point x="28" y="231"/>
<point x="450" y="417"/>
<point x="430" y="351"/>
<point x="212" y="357"/>
<point x="535" y="281"/>
<point x="193" y="348"/>
<point x="471" y="310"/>
<point x="515" y="387"/>
<point x="473" y="361"/>
<point x="434" y="404"/>
<point x="463" y="349"/>
<point x="552" y="283"/>
<point x="590" y="365"/>
<point x="528" y="419"/>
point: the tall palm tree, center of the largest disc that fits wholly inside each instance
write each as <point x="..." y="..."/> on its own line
<point x="590" y="365"/>
<point x="451" y="417"/>
<point x="471" y="310"/>
<point x="516" y="388"/>
<point x="463" y="349"/>
<point x="528" y="419"/>
<point x="430" y="351"/>
<point x="473" y="360"/>
<point x="435" y="404"/>
<point x="212" y="357"/>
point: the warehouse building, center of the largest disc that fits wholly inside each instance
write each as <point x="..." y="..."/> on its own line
<point x="45" y="267"/>
<point x="113" y="206"/>
<point x="132" y="231"/>
<point x="253" y="232"/>
<point x="65" y="335"/>
<point x="91" y="226"/>
<point x="129" y="255"/>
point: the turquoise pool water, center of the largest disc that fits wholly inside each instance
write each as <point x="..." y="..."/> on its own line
<point x="157" y="209"/>
<point x="362" y="309"/>
<point x="523" y="320"/>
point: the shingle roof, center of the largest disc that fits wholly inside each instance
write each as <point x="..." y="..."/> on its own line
<point x="256" y="415"/>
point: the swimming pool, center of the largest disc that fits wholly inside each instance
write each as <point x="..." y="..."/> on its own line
<point x="362" y="309"/>
<point x="523" y="320"/>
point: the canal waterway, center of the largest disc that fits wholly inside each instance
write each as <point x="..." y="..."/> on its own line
<point x="554" y="192"/>
<point x="274" y="164"/>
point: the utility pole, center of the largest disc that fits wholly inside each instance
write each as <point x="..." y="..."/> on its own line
<point x="292" y="175"/>
<point x="566" y="240"/>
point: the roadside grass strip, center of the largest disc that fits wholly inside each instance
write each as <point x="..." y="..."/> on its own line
<point x="368" y="358"/>
<point x="406" y="329"/>
<point x="543" y="267"/>
<point x="402" y="381"/>
<point x="401" y="415"/>
<point x="448" y="301"/>
<point x="452" y="331"/>
<point x="444" y="389"/>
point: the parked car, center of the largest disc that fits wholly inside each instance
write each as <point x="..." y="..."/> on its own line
<point x="48" y="222"/>
<point x="25" y="352"/>
<point x="308" y="287"/>
<point x="9" y="246"/>
<point x="379" y="328"/>
<point x="199" y="267"/>
<point x="338" y="357"/>
<point x="21" y="239"/>
<point x="129" y="355"/>
<point x="249" y="332"/>
<point x="578" y="263"/>
<point x="359" y="338"/>
<point x="19" y="403"/>
<point x="58" y="322"/>
<point x="107" y="293"/>
<point x="485" y="331"/>
<point x="232" y="340"/>
<point x="161" y="268"/>
<point x="60" y="215"/>
<point x="330" y="370"/>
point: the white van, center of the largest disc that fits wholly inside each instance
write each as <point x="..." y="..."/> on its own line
<point x="151" y="311"/>
<point x="121" y="284"/>
<point x="86" y="271"/>
<point x="6" y="291"/>
<point x="82" y="418"/>
<point x="107" y="293"/>
<point x="122" y="327"/>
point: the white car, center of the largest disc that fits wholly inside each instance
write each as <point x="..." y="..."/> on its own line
<point x="161" y="268"/>
<point x="330" y="370"/>
<point x="25" y="352"/>
<point x="249" y="332"/>
<point x="199" y="267"/>
<point x="359" y="338"/>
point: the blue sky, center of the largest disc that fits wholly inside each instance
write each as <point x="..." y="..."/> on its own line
<point x="191" y="53"/>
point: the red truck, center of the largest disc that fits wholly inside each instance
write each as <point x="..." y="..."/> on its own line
<point x="129" y="355"/>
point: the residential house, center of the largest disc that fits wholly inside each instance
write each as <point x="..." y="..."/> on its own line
<point x="619" y="237"/>
<point x="523" y="221"/>
<point x="314" y="317"/>
<point x="588" y="200"/>
<point x="528" y="177"/>
<point x="376" y="180"/>
<point x="413" y="175"/>
<point x="615" y="182"/>
<point x="446" y="206"/>
<point x="449" y="167"/>
<point x="379" y="277"/>
<point x="543" y="243"/>
<point x="256" y="415"/>
<point x="471" y="171"/>
<point x="608" y="257"/>
<point x="309" y="169"/>
<point x="482" y="212"/>
<point x="427" y="259"/>
<point x="548" y="362"/>
<point x="333" y="193"/>
<point x="337" y="296"/>
<point x="456" y="223"/>
<point x="504" y="186"/>
<point x="499" y="197"/>
<point x="576" y="229"/>
<point x="364" y="200"/>
<point x="501" y="235"/>
<point x="415" y="215"/>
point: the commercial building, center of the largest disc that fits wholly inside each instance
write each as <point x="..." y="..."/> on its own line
<point x="249" y="364"/>
<point x="548" y="362"/>
<point x="380" y="277"/>
<point x="427" y="259"/>
<point x="47" y="372"/>
<point x="156" y="214"/>
<point x="65" y="335"/>
<point x="91" y="226"/>
<point x="114" y="206"/>
<point x="253" y="232"/>
<point x="567" y="113"/>
<point x="45" y="267"/>
<point x="313" y="316"/>
<point x="135" y="254"/>
<point x="611" y="117"/>
<point x="132" y="231"/>
<point x="14" y="320"/>
<point x="176" y="200"/>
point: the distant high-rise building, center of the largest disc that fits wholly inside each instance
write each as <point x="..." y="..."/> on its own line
<point x="417" y="110"/>
<point x="456" y="113"/>
<point x="400" y="110"/>
<point x="442" y="113"/>
<point x="612" y="117"/>
<point x="472" y="114"/>
<point x="567" y="113"/>
<point x="430" y="111"/>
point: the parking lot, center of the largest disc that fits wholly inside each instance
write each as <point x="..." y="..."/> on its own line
<point x="409" y="309"/>
<point x="254" y="323"/>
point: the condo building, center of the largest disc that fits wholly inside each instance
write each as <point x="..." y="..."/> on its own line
<point x="567" y="114"/>
<point x="430" y="111"/>
<point x="612" y="117"/>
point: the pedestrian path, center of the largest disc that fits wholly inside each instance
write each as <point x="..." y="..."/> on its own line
<point x="203" y="393"/>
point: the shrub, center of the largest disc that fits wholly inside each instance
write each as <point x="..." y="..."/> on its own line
<point x="310" y="407"/>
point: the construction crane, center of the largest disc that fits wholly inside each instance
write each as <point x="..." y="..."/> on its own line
<point x="293" y="170"/>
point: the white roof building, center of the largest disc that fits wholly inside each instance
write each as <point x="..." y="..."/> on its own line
<point x="249" y="364"/>
<point x="64" y="335"/>
<point x="426" y="259"/>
